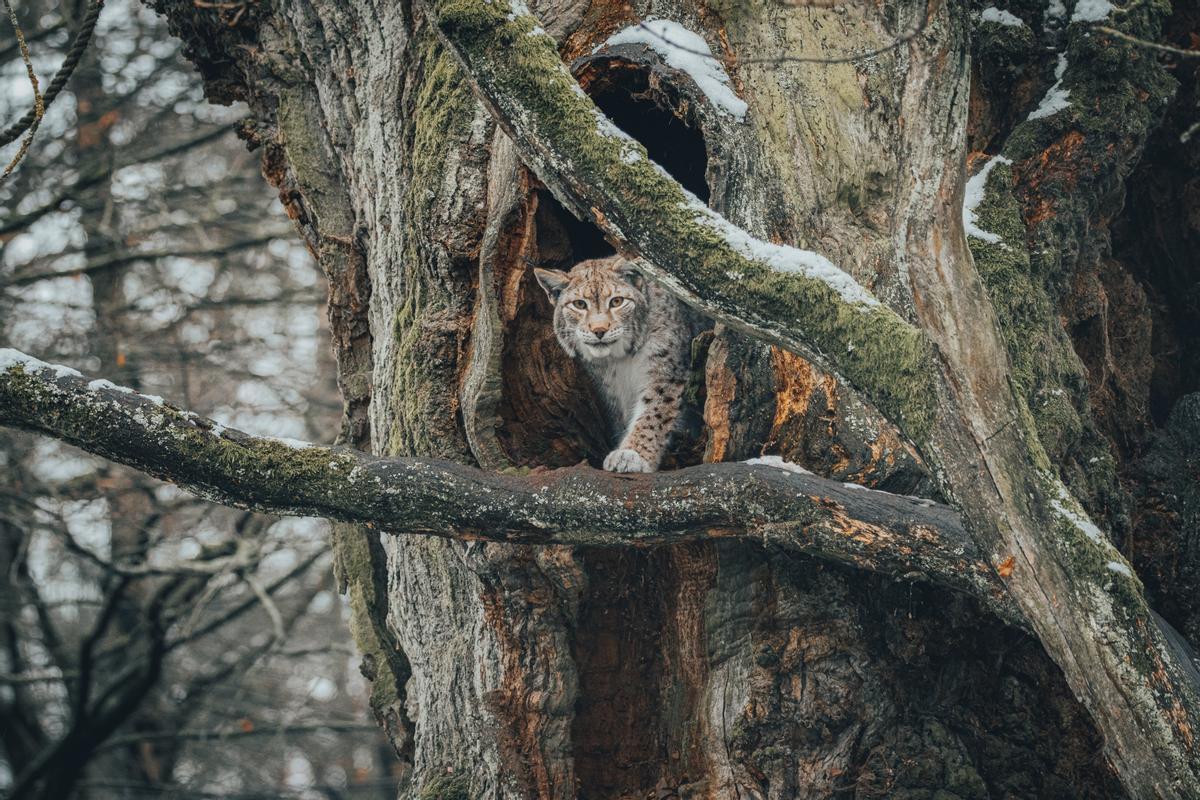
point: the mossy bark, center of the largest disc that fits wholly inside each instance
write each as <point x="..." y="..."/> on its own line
<point x="732" y="669"/>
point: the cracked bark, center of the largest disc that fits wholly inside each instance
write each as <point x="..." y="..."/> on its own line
<point x="721" y="669"/>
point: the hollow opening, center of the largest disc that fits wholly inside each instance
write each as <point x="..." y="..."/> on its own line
<point x="637" y="652"/>
<point x="636" y="640"/>
<point x="562" y="238"/>
<point x="644" y="103"/>
<point x="548" y="412"/>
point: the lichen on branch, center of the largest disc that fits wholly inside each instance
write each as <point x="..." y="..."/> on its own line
<point x="787" y="507"/>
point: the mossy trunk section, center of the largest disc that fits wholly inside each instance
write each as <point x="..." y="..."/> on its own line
<point x="712" y="669"/>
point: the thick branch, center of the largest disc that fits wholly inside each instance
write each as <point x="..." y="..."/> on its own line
<point x="901" y="536"/>
<point x="790" y="297"/>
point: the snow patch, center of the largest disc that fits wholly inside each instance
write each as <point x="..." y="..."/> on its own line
<point x="15" y="358"/>
<point x="518" y="8"/>
<point x="973" y="196"/>
<point x="778" y="463"/>
<point x="688" y="52"/>
<point x="784" y="258"/>
<point x="1066" y="506"/>
<point x="1091" y="10"/>
<point x="101" y="383"/>
<point x="998" y="15"/>
<point x="608" y="128"/>
<point x="295" y="444"/>
<point x="1057" y="98"/>
<point x="1056" y="9"/>
<point x="1119" y="568"/>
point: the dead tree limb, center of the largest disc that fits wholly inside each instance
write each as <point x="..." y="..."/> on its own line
<point x="901" y="536"/>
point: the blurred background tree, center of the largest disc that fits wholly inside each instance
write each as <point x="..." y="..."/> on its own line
<point x="152" y="644"/>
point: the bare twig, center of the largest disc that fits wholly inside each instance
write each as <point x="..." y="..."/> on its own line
<point x="241" y="608"/>
<point x="121" y="258"/>
<point x="849" y="58"/>
<point x="41" y="676"/>
<point x="98" y="174"/>
<point x="240" y="733"/>
<point x="1162" y="48"/>
<point x="278" y="634"/>
<point x="39" y="105"/>
<point x="11" y="50"/>
<point x="78" y="46"/>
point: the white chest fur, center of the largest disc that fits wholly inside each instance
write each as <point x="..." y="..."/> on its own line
<point x="623" y="383"/>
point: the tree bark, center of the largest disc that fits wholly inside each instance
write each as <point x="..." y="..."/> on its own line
<point x="775" y="503"/>
<point x="726" y="669"/>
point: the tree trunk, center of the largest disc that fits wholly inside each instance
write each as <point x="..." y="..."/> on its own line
<point x="723" y="668"/>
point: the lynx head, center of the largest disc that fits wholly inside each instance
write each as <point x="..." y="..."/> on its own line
<point x="601" y="307"/>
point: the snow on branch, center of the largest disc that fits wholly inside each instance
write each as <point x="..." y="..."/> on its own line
<point x="770" y="501"/>
<point x="685" y="50"/>
<point x="1056" y="98"/>
<point x="973" y="196"/>
<point x="785" y="295"/>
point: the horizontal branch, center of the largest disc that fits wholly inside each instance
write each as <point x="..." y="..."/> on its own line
<point x="98" y="172"/>
<point x="120" y="258"/>
<point x="238" y="733"/>
<point x="791" y="297"/>
<point x="780" y="504"/>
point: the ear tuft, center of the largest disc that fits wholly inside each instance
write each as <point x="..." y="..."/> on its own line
<point x="552" y="280"/>
<point x="632" y="275"/>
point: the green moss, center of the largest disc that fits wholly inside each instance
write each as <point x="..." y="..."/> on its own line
<point x="440" y="125"/>
<point x="1046" y="371"/>
<point x="1118" y="92"/>
<point x="1075" y="162"/>
<point x="1088" y="558"/>
<point x="304" y="141"/>
<point x="451" y="787"/>
<point x="358" y="567"/>
<point x="872" y="348"/>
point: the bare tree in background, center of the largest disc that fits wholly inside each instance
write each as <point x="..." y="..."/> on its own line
<point x="154" y="644"/>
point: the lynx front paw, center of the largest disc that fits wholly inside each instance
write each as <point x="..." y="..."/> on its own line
<point x="626" y="461"/>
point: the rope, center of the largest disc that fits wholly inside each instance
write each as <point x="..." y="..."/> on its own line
<point x="78" y="46"/>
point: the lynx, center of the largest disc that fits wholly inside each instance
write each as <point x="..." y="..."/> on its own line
<point x="634" y="340"/>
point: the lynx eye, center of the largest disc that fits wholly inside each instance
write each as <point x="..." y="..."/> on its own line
<point x="580" y="304"/>
<point x="617" y="302"/>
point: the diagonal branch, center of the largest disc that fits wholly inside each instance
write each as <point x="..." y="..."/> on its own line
<point x="791" y="297"/>
<point x="775" y="503"/>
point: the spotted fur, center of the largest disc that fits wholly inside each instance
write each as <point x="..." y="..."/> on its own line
<point x="633" y="338"/>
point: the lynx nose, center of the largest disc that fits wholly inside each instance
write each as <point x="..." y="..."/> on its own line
<point x="598" y="329"/>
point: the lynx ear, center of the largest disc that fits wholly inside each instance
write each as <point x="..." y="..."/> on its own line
<point x="632" y="275"/>
<point x="552" y="280"/>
